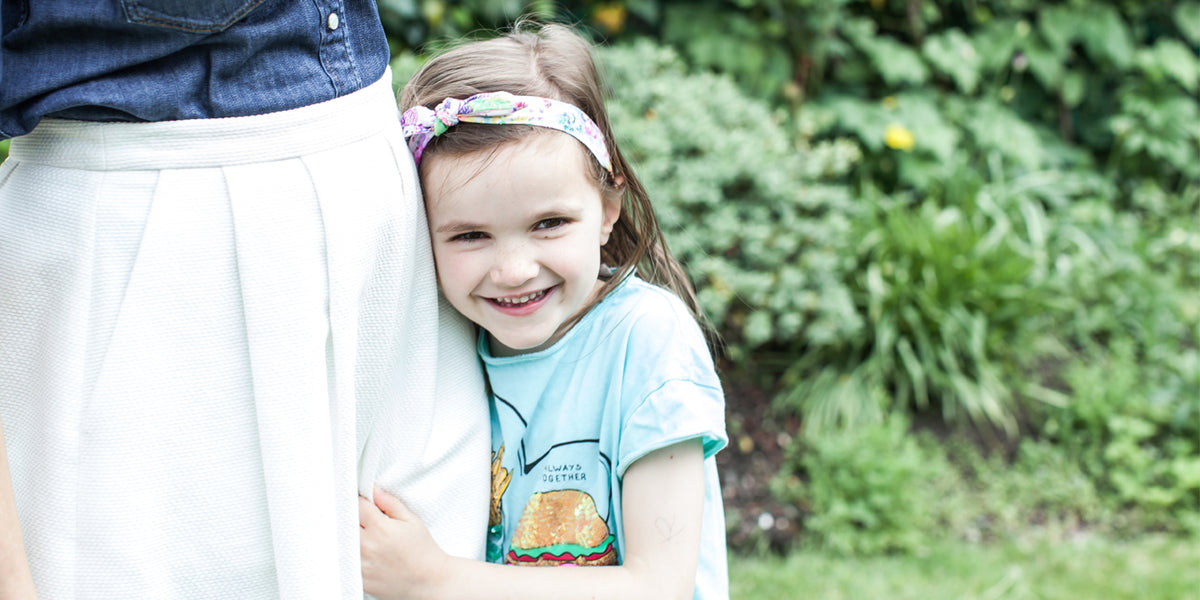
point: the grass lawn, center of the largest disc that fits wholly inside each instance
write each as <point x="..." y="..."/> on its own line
<point x="1153" y="568"/>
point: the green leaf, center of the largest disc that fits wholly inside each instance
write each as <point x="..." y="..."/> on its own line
<point x="1047" y="67"/>
<point x="997" y="128"/>
<point x="1072" y="89"/>
<point x="896" y="62"/>
<point x="1058" y="26"/>
<point x="953" y="54"/>
<point x="1179" y="62"/>
<point x="921" y="113"/>
<point x="732" y="43"/>
<point x="995" y="44"/>
<point x="1106" y="37"/>
<point x="758" y="327"/>
<point x="866" y="120"/>
<point x="1187" y="19"/>
<point x="1187" y="472"/>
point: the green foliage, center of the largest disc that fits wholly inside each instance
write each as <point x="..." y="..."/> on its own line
<point x="3" y="149"/>
<point x="946" y="291"/>
<point x="1136" y="431"/>
<point x="881" y="488"/>
<point x="908" y="301"/>
<point x="411" y="24"/>
<point x="757" y="231"/>
<point x="732" y="42"/>
<point x="868" y="490"/>
<point x="1124" y="288"/>
<point x="1131" y="416"/>
<point x="1040" y="489"/>
<point x="978" y="128"/>
<point x="1119" y="81"/>
<point x="981" y="135"/>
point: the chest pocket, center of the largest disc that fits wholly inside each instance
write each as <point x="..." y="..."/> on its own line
<point x="193" y="16"/>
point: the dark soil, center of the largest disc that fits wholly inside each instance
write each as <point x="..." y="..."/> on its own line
<point x="756" y="451"/>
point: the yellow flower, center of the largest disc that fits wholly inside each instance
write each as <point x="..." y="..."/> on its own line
<point x="898" y="137"/>
<point x="610" y="16"/>
<point x="434" y="12"/>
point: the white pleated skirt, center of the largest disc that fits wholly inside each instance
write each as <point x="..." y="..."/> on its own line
<point x="214" y="335"/>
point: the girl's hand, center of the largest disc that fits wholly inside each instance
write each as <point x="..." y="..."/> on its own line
<point x="400" y="559"/>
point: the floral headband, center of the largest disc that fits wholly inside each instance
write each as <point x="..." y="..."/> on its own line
<point x="421" y="124"/>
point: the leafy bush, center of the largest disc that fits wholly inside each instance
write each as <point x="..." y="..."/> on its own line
<point x="1131" y="412"/>
<point x="1117" y="80"/>
<point x="947" y="291"/>
<point x="882" y="488"/>
<point x="1136" y="431"/>
<point x="1039" y="489"/>
<point x="742" y="209"/>
<point x="978" y="128"/>
<point x="885" y="299"/>
<point x="1124" y="287"/>
<point x="867" y="490"/>
<point x="411" y="24"/>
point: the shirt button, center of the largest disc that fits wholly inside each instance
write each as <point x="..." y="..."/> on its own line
<point x="333" y="21"/>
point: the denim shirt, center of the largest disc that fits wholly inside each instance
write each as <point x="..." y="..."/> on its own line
<point x="157" y="60"/>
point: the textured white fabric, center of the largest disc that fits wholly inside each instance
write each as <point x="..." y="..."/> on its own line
<point x="213" y="336"/>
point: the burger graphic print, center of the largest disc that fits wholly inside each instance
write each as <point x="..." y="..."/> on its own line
<point x="561" y="527"/>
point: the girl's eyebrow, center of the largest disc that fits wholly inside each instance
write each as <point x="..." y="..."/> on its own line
<point x="554" y="212"/>
<point x="564" y="207"/>
<point x="458" y="227"/>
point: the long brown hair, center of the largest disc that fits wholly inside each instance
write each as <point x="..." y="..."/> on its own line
<point x="552" y="61"/>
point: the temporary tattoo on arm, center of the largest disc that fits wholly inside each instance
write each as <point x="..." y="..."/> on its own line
<point x="667" y="528"/>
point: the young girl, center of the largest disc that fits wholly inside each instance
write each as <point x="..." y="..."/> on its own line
<point x="606" y="409"/>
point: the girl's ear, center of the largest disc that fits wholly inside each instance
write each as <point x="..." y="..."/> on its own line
<point x="611" y="200"/>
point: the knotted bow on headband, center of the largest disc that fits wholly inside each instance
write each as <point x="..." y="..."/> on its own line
<point x="421" y="124"/>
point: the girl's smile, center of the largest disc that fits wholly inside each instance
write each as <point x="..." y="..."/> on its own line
<point x="517" y="234"/>
<point x="523" y="304"/>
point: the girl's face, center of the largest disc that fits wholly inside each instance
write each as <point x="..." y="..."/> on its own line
<point x="517" y="237"/>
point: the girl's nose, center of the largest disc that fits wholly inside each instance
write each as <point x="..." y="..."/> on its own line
<point x="514" y="266"/>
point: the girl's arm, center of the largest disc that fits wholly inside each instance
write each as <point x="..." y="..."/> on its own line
<point x="663" y="505"/>
<point x="15" y="580"/>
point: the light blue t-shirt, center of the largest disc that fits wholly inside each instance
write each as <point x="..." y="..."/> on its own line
<point x="632" y="376"/>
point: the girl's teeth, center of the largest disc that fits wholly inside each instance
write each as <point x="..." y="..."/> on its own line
<point x="520" y="300"/>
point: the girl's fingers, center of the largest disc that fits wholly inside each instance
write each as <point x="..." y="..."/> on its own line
<point x="392" y="506"/>
<point x="367" y="513"/>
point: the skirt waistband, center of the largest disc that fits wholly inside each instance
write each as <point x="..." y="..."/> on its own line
<point x="200" y="143"/>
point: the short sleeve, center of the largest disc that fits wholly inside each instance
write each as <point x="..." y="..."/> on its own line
<point x="671" y="389"/>
<point x="679" y="410"/>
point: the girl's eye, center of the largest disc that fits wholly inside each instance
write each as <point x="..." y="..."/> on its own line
<point x="550" y="223"/>
<point x="470" y="236"/>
